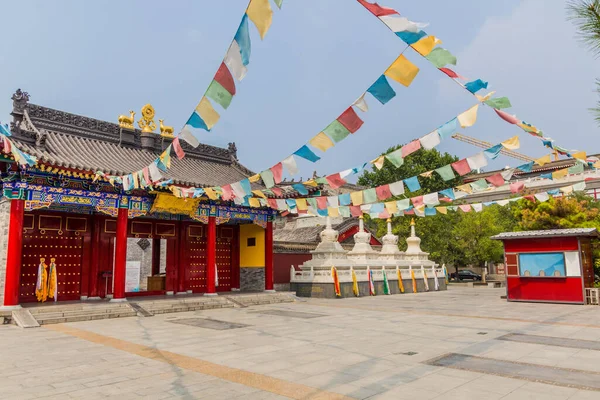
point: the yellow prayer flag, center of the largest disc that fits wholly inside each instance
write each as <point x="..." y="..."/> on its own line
<point x="597" y="164"/>
<point x="528" y="128"/>
<point x="442" y="210"/>
<point x="301" y="204"/>
<point x="560" y="173"/>
<point x="210" y="192"/>
<point x="253" y="201"/>
<point x="512" y="143"/>
<point x="543" y="161"/>
<point x="321" y="142"/>
<point x="378" y="162"/>
<point x="311" y="183"/>
<point x="391" y="207"/>
<point x="208" y="114"/>
<point x="465" y="188"/>
<point x="566" y="189"/>
<point x="426" y="174"/>
<point x="260" y="12"/>
<point x="469" y="117"/>
<point x="357" y="198"/>
<point x="426" y="45"/>
<point x="254" y="178"/>
<point x="484" y="98"/>
<point x="402" y="71"/>
<point x="259" y="193"/>
<point x="333" y="211"/>
<point x="580" y="155"/>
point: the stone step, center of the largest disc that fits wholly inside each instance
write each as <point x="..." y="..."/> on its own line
<point x="45" y="320"/>
<point x="78" y="307"/>
<point x="23" y="318"/>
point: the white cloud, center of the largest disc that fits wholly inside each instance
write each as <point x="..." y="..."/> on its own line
<point x="533" y="58"/>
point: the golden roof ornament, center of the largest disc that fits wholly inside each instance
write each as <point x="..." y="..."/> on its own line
<point x="165" y="131"/>
<point x="412" y="222"/>
<point x="127" y="122"/>
<point x="146" y="123"/>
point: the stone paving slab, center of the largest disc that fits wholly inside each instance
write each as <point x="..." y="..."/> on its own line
<point x="553" y="341"/>
<point x="358" y="348"/>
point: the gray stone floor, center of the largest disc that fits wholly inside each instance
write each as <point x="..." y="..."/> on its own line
<point x="383" y="347"/>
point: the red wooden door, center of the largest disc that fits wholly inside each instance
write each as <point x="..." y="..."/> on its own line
<point x="225" y="237"/>
<point x="47" y="236"/>
<point x="194" y="259"/>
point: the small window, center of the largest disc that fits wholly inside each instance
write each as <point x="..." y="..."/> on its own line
<point x="251" y="242"/>
<point x="542" y="264"/>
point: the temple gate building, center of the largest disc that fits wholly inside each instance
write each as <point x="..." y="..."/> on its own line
<point x="104" y="242"/>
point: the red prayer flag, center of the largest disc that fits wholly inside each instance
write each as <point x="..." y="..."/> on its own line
<point x="409" y="212"/>
<point x="461" y="167"/>
<point x="356" y="211"/>
<point x="383" y="192"/>
<point x="278" y="192"/>
<point x="335" y="181"/>
<point x="530" y="197"/>
<point x="417" y="201"/>
<point x="511" y="119"/>
<point x="277" y="171"/>
<point x="496" y="180"/>
<point x="450" y="73"/>
<point x="177" y="147"/>
<point x="146" y="173"/>
<point x="225" y="79"/>
<point x="322" y="203"/>
<point x="465" y="207"/>
<point x="410" y="148"/>
<point x="517" y="187"/>
<point x="378" y="10"/>
<point x="272" y="203"/>
<point x="384" y="214"/>
<point x="350" y="120"/>
<point x="227" y="192"/>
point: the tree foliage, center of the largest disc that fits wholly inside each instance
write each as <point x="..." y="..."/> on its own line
<point x="585" y="14"/>
<point x="577" y="211"/>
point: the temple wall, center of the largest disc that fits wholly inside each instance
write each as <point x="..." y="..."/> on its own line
<point x="252" y="279"/>
<point x="327" y="290"/>
<point x="252" y="246"/>
<point x="4" y="222"/>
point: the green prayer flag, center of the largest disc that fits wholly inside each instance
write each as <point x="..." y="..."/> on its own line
<point x="345" y="211"/>
<point x="499" y="103"/>
<point x="278" y="2"/>
<point x="312" y="202"/>
<point x="386" y="284"/>
<point x="395" y="158"/>
<point x="576" y="169"/>
<point x="336" y="131"/>
<point x="481" y="184"/>
<point x="403" y="204"/>
<point x="267" y="178"/>
<point x="446" y="172"/>
<point x="441" y="57"/>
<point x="369" y="196"/>
<point x="322" y="181"/>
<point x="219" y="94"/>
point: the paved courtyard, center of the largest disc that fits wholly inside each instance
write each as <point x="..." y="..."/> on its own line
<point x="461" y="344"/>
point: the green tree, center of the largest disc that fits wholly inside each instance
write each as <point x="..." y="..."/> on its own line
<point x="585" y="14"/>
<point x="576" y="211"/>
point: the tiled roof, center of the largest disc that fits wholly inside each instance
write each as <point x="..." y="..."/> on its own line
<point x="550" y="233"/>
<point x="310" y="234"/>
<point x="87" y="144"/>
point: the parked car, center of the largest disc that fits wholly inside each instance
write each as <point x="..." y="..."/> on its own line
<point x="466" y="275"/>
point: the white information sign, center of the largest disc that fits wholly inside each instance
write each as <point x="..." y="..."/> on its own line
<point x="132" y="276"/>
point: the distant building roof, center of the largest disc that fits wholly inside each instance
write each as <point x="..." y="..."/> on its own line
<point x="550" y="233"/>
<point x="292" y="233"/>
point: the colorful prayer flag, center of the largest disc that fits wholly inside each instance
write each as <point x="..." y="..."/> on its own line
<point x="208" y="114"/>
<point x="426" y="45"/>
<point x="382" y="90"/>
<point x="322" y="142"/>
<point x="469" y="117"/>
<point x="395" y="157"/>
<point x="441" y="57"/>
<point x="412" y="184"/>
<point x="307" y="154"/>
<point x="512" y="143"/>
<point x="476" y="86"/>
<point x="445" y="173"/>
<point x="219" y="94"/>
<point x="499" y="103"/>
<point x="224" y="77"/>
<point x="410" y="148"/>
<point x="350" y="120"/>
<point x="260" y="12"/>
<point x="336" y="131"/>
<point x="461" y="167"/>
<point x="233" y="59"/>
<point x="361" y="103"/>
<point x="402" y="71"/>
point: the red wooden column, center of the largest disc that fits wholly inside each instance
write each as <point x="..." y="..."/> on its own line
<point x="211" y="255"/>
<point x="269" y="257"/>
<point x="12" y="280"/>
<point x="120" y="255"/>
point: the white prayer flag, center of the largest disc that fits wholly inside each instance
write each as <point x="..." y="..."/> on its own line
<point x="290" y="164"/>
<point x="361" y="103"/>
<point x="333" y="201"/>
<point x="431" y="199"/>
<point x="430" y="140"/>
<point x="542" y="197"/>
<point x="238" y="190"/>
<point x="478" y="161"/>
<point x="507" y="174"/>
<point x="187" y="135"/>
<point x="397" y="188"/>
<point x="502" y="202"/>
<point x="233" y="59"/>
<point x="478" y="207"/>
<point x="401" y="24"/>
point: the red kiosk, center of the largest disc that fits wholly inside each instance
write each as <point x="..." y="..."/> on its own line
<point x="553" y="266"/>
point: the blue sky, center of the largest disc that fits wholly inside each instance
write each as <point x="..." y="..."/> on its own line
<point x="101" y="59"/>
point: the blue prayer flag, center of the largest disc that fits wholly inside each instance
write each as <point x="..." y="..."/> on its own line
<point x="322" y="213"/>
<point x="246" y="186"/>
<point x="411" y="37"/>
<point x="382" y="90"/>
<point x="526" y="167"/>
<point x="291" y="203"/>
<point x="476" y="86"/>
<point x="546" y="176"/>
<point x="242" y="37"/>
<point x="554" y="192"/>
<point x="377" y="208"/>
<point x="548" y="143"/>
<point x="196" y="121"/>
<point x="448" y="193"/>
<point x="307" y="154"/>
<point x="430" y="211"/>
<point x="345" y="199"/>
<point x="300" y="188"/>
<point x="160" y="165"/>
<point x="493" y="152"/>
<point x="4" y="130"/>
<point x="448" y="128"/>
<point x="412" y="184"/>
